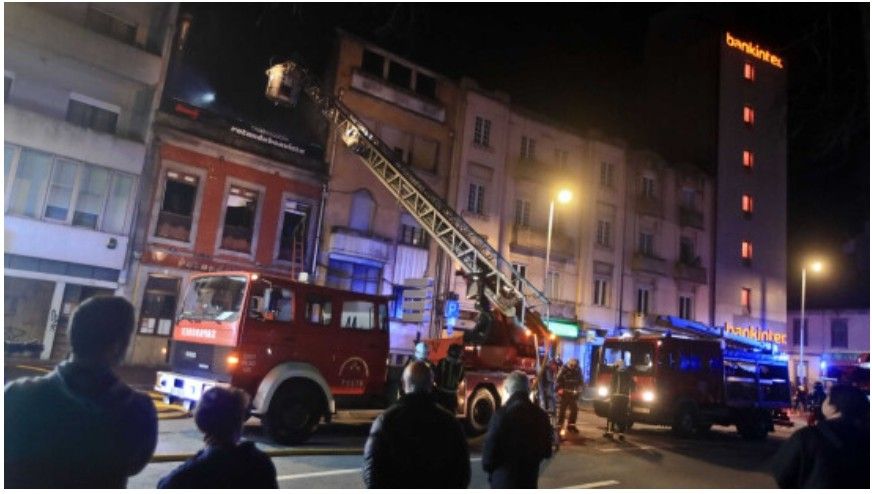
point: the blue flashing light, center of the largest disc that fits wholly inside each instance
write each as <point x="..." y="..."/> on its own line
<point x="823" y="365"/>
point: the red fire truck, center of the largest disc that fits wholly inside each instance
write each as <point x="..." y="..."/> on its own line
<point x="851" y="371"/>
<point x="299" y="349"/>
<point x="691" y="376"/>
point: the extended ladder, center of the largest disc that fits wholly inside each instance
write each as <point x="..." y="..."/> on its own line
<point x="693" y="328"/>
<point x="501" y="284"/>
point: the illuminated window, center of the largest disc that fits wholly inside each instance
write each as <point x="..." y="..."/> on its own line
<point x="749" y="72"/>
<point x="747" y="250"/>
<point x="748" y="159"/>
<point x="747" y="204"/>
<point x="746" y="300"/>
<point x="748" y="115"/>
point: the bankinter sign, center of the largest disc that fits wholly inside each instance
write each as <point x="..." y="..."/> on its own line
<point x="759" y="334"/>
<point x="754" y="50"/>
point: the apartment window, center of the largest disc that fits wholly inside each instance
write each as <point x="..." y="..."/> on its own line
<point x="685" y="307"/>
<point x="411" y="232"/>
<point x="92" y="114"/>
<point x="746" y="300"/>
<point x="522" y="213"/>
<point x="748" y="159"/>
<point x="425" y="85"/>
<point x="688" y="198"/>
<point x="177" y="209"/>
<point x="749" y="72"/>
<point x="796" y="328"/>
<point x="687" y="251"/>
<point x="109" y="25"/>
<point x="521" y="269"/>
<point x="528" y="148"/>
<point x="354" y="276"/>
<point x="58" y="189"/>
<point x="294" y="232"/>
<point x="373" y="63"/>
<point x="481" y="134"/>
<point x="747" y="205"/>
<point x="600" y="292"/>
<point x="607" y="174"/>
<point x="604" y="233"/>
<point x="552" y="288"/>
<point x="839" y="333"/>
<point x="561" y="157"/>
<point x="648" y="187"/>
<point x="642" y="299"/>
<point x="475" y="201"/>
<point x="646" y="244"/>
<point x="747" y="251"/>
<point x="362" y="209"/>
<point x="239" y="216"/>
<point x="748" y="115"/>
<point x="399" y="74"/>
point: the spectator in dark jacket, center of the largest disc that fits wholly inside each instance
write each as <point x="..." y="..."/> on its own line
<point x="834" y="454"/>
<point x="80" y="426"/>
<point x="416" y="443"/>
<point x="519" y="437"/>
<point x="449" y="374"/>
<point x="225" y="463"/>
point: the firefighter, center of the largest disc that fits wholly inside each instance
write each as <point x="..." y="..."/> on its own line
<point x="619" y="402"/>
<point x="449" y="373"/>
<point x="568" y="384"/>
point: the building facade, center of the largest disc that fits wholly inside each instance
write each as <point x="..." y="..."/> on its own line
<point x="832" y="337"/>
<point x="369" y="243"/>
<point x="82" y="82"/>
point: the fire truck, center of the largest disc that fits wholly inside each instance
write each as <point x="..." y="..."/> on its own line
<point x="854" y="372"/>
<point x="691" y="376"/>
<point x="303" y="350"/>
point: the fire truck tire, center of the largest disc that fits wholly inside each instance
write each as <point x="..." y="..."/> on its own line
<point x="294" y="412"/>
<point x="480" y="410"/>
<point x="686" y="422"/>
<point x="753" y="426"/>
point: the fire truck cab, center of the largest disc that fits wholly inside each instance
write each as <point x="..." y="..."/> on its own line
<point x="690" y="382"/>
<point x="299" y="350"/>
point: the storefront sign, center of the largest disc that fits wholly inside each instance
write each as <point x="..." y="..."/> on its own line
<point x="564" y="329"/>
<point x="758" y="334"/>
<point x="755" y="51"/>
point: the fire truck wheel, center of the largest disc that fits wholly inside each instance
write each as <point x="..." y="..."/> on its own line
<point x="686" y="423"/>
<point x="294" y="413"/>
<point x="482" y="407"/>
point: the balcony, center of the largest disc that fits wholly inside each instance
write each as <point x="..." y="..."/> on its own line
<point x="650" y="206"/>
<point x="690" y="217"/>
<point x="532" y="241"/>
<point x="34" y="26"/>
<point x="344" y="240"/>
<point x="381" y="89"/>
<point x="649" y="264"/>
<point x="690" y="271"/>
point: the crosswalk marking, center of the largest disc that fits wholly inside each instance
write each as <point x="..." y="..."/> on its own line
<point x="594" y="485"/>
<point x="328" y="473"/>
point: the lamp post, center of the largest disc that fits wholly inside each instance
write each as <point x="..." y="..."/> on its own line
<point x="563" y="197"/>
<point x="816" y="267"/>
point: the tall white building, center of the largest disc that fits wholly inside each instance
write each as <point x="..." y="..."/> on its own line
<point x="81" y="84"/>
<point x="832" y="337"/>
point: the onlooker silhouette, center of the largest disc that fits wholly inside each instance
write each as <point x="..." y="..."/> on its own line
<point x="416" y="443"/>
<point x="834" y="454"/>
<point x="519" y="437"/>
<point x="80" y="426"/>
<point x="225" y="463"/>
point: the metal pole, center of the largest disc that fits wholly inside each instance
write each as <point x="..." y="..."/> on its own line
<point x="802" y="332"/>
<point x="548" y="262"/>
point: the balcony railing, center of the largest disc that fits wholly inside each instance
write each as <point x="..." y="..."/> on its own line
<point x="649" y="264"/>
<point x="356" y="243"/>
<point x="690" y="217"/>
<point x="650" y="206"/>
<point x="690" y="271"/>
<point x="533" y="241"/>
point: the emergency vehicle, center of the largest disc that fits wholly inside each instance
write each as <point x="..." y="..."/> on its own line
<point x="854" y="372"/>
<point x="691" y="376"/>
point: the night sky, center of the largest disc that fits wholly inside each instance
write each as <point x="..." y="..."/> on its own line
<point x="582" y="64"/>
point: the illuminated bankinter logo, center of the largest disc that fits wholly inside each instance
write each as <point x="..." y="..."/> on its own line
<point x="754" y="50"/>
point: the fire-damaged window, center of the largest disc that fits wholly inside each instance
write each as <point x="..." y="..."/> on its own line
<point x="159" y="305"/>
<point x="239" y="218"/>
<point x="177" y="209"/>
<point x="295" y="229"/>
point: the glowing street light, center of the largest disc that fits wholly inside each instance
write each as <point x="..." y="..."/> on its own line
<point x="563" y="196"/>
<point x="816" y="266"/>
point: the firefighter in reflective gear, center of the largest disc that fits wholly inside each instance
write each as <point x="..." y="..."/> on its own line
<point x="449" y="373"/>
<point x="568" y="386"/>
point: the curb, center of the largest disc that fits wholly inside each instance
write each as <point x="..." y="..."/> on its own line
<point x="180" y="457"/>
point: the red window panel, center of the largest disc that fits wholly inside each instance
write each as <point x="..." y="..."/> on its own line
<point x="749" y="72"/>
<point x="747" y="250"/>
<point x="748" y="159"/>
<point x="748" y="115"/>
<point x="747" y="203"/>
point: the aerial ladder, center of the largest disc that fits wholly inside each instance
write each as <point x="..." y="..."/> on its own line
<point x="736" y="346"/>
<point x="492" y="277"/>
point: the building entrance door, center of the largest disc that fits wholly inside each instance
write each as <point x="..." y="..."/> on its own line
<point x="73" y="296"/>
<point x="27" y="313"/>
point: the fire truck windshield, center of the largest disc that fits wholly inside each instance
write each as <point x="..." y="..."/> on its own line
<point x="636" y="356"/>
<point x="214" y="298"/>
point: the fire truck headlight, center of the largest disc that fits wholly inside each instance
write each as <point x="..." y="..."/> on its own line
<point x="603" y="391"/>
<point x="647" y="396"/>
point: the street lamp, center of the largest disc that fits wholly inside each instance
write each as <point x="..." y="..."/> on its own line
<point x="563" y="197"/>
<point x="816" y="267"/>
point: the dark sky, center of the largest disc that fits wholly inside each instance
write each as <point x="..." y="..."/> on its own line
<point x="581" y="64"/>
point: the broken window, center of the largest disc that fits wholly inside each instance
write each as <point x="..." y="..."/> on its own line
<point x="239" y="217"/>
<point x="295" y="221"/>
<point x="177" y="210"/>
